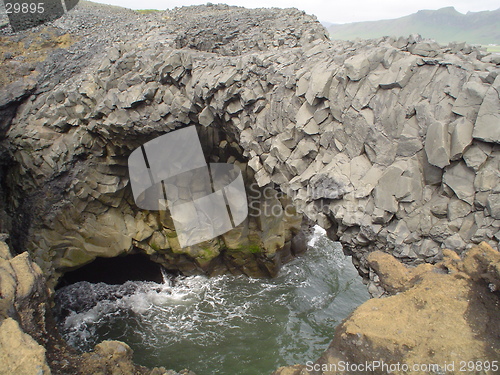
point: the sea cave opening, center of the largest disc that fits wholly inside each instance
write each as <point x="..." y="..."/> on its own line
<point x="115" y="271"/>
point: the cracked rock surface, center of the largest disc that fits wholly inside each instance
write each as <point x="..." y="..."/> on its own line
<point x="386" y="145"/>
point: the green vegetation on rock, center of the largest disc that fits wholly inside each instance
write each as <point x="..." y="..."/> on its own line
<point x="493" y="48"/>
<point x="147" y="11"/>
<point x="154" y="246"/>
<point x="248" y="248"/>
<point x="254" y="248"/>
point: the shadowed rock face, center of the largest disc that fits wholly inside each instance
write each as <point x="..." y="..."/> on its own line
<point x="383" y="143"/>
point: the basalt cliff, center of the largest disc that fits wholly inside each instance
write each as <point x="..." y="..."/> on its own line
<point x="390" y="145"/>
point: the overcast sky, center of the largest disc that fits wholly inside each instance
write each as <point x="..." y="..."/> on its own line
<point x="336" y="11"/>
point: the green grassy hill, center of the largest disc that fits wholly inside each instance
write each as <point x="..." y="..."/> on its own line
<point x="443" y="25"/>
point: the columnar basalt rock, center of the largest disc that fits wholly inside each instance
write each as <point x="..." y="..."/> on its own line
<point x="87" y="210"/>
<point x="383" y="143"/>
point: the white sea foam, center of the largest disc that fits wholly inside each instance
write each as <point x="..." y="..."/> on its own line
<point x="289" y="319"/>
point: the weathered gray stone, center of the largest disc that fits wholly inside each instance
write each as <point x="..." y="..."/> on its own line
<point x="175" y="66"/>
<point x="329" y="186"/>
<point x="137" y="94"/>
<point x="469" y="100"/>
<point x="320" y="82"/>
<point x="481" y="198"/>
<point x="487" y="126"/>
<point x="437" y="144"/>
<point x="432" y="174"/>
<point x="428" y="249"/>
<point x="297" y="166"/>
<point x="493" y="206"/>
<point x="409" y="188"/>
<point x="475" y="157"/>
<point x="460" y="179"/>
<point x="113" y="54"/>
<point x="359" y="166"/>
<point x="409" y="142"/>
<point x="458" y="208"/>
<point x="357" y="67"/>
<point x="322" y="112"/>
<point x="234" y="107"/>
<point x="306" y="147"/>
<point x="251" y="95"/>
<point x="439" y="207"/>
<point x="399" y="73"/>
<point x="492" y="58"/>
<point x="263" y="178"/>
<point x="255" y="164"/>
<point x="355" y="134"/>
<point x="455" y="242"/>
<point x="384" y="193"/>
<point x="368" y="182"/>
<point x="279" y="150"/>
<point x="312" y="127"/>
<point x="303" y="84"/>
<point x="461" y="137"/>
<point x="305" y="115"/>
<point x="270" y="163"/>
<point x="424" y="48"/>
<point x="487" y="177"/>
<point x="398" y="232"/>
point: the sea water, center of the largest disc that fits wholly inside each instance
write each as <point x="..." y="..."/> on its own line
<point x="230" y="325"/>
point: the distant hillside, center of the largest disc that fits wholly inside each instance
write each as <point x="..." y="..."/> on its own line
<point x="443" y="25"/>
<point x="327" y="24"/>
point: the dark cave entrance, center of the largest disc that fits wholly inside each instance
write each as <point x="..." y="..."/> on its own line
<point x="115" y="271"/>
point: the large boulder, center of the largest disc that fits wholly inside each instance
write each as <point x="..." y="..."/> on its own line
<point x="19" y="353"/>
<point x="487" y="127"/>
<point x="443" y="315"/>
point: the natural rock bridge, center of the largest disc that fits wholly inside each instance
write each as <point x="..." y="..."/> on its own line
<point x="388" y="144"/>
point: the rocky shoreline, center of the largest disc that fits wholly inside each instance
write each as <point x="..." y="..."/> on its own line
<point x="435" y="319"/>
<point x="29" y="340"/>
<point x="390" y="145"/>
